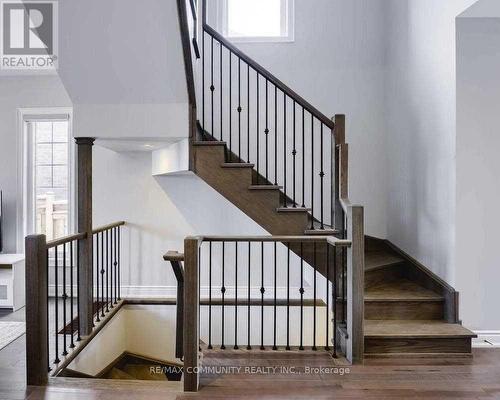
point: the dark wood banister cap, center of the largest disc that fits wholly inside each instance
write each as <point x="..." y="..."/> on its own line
<point x="85" y="140"/>
<point x="173" y="256"/>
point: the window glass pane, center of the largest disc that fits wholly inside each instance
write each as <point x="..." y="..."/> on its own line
<point x="61" y="131"/>
<point x="43" y="176"/>
<point x="60" y="176"/>
<point x="51" y="178"/>
<point x="43" y="154"/>
<point x="43" y="132"/>
<point x="60" y="153"/>
<point x="254" y="18"/>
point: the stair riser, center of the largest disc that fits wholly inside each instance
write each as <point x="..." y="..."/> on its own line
<point x="417" y="345"/>
<point x="383" y="275"/>
<point x="406" y="310"/>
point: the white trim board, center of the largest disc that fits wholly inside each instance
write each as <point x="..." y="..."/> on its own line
<point x="486" y="339"/>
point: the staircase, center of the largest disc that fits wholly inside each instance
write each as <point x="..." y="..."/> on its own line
<point x="285" y="165"/>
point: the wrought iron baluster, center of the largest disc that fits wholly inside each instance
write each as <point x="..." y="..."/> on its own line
<point x="334" y="301"/>
<point x="248" y="113"/>
<point x="223" y="291"/>
<point x="262" y="291"/>
<point x="210" y="295"/>
<point x="294" y="154"/>
<point x="111" y="252"/>
<point x="258" y="127"/>
<point x="314" y="295"/>
<point x="64" y="295"/>
<point x="275" y="135"/>
<point x="249" y="347"/>
<point x="220" y="89"/>
<point x="101" y="305"/>
<point x="301" y="291"/>
<point x="78" y="338"/>
<point x="47" y="312"/>
<point x="322" y="176"/>
<point x="236" y="296"/>
<point x="327" y="246"/>
<point x="203" y="82"/>
<point x="285" y="203"/>
<point x="275" y="303"/>
<point x="71" y="256"/>
<point x="96" y="306"/>
<point x="312" y="172"/>
<point x="239" y="109"/>
<point x="288" y="298"/>
<point x="230" y="105"/>
<point x="303" y="159"/>
<point x="212" y="87"/>
<point x="56" y="300"/>
<point x="107" y="270"/>
<point x="266" y="131"/>
<point x="119" y="254"/>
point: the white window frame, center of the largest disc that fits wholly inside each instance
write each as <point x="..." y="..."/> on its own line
<point x="25" y="212"/>
<point x="287" y="26"/>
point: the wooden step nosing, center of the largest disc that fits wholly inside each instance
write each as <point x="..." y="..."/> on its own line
<point x="293" y="210"/>
<point x="382" y="266"/>
<point x="209" y="143"/>
<point x="418" y="336"/>
<point x="418" y="355"/>
<point x="264" y="187"/>
<point x="320" y="232"/>
<point x="237" y="165"/>
<point x="405" y="299"/>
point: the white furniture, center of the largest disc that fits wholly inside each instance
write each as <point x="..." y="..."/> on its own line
<point x="12" y="281"/>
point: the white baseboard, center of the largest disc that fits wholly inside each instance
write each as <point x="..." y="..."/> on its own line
<point x="486" y="339"/>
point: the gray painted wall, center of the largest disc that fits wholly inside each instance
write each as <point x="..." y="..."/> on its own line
<point x="478" y="165"/>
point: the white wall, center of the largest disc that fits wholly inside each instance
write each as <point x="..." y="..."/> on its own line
<point x="337" y="63"/>
<point x="420" y="114"/>
<point x="21" y="91"/>
<point x="478" y="165"/>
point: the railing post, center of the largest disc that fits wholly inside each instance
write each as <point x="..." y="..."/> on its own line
<point x="191" y="307"/>
<point x="355" y="284"/>
<point x="36" y="310"/>
<point x="85" y="250"/>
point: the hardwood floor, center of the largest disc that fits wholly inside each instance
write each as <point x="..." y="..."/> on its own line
<point x="418" y="378"/>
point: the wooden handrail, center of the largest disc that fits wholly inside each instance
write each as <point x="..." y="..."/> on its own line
<point x="173" y="256"/>
<point x="285" y="239"/>
<point x="108" y="227"/>
<point x="65" y="239"/>
<point x="269" y="76"/>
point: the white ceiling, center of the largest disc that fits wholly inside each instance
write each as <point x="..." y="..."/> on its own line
<point x="121" y="52"/>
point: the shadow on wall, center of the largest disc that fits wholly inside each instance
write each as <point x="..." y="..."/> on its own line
<point x="205" y="210"/>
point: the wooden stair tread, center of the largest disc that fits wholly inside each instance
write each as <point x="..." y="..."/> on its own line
<point x="116" y="373"/>
<point x="400" y="290"/>
<point x="209" y="143"/>
<point x="380" y="259"/>
<point x="292" y="209"/>
<point x="265" y="187"/>
<point x="237" y="165"/>
<point x="415" y="329"/>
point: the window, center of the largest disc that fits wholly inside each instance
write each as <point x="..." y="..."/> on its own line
<point x="48" y="175"/>
<point x="257" y="20"/>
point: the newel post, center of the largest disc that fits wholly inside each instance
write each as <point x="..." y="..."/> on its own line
<point x="191" y="337"/>
<point x="85" y="251"/>
<point x="355" y="284"/>
<point x="37" y="351"/>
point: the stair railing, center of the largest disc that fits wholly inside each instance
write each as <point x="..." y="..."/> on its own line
<point x="264" y="122"/>
<point x="246" y="282"/>
<point x="57" y="295"/>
